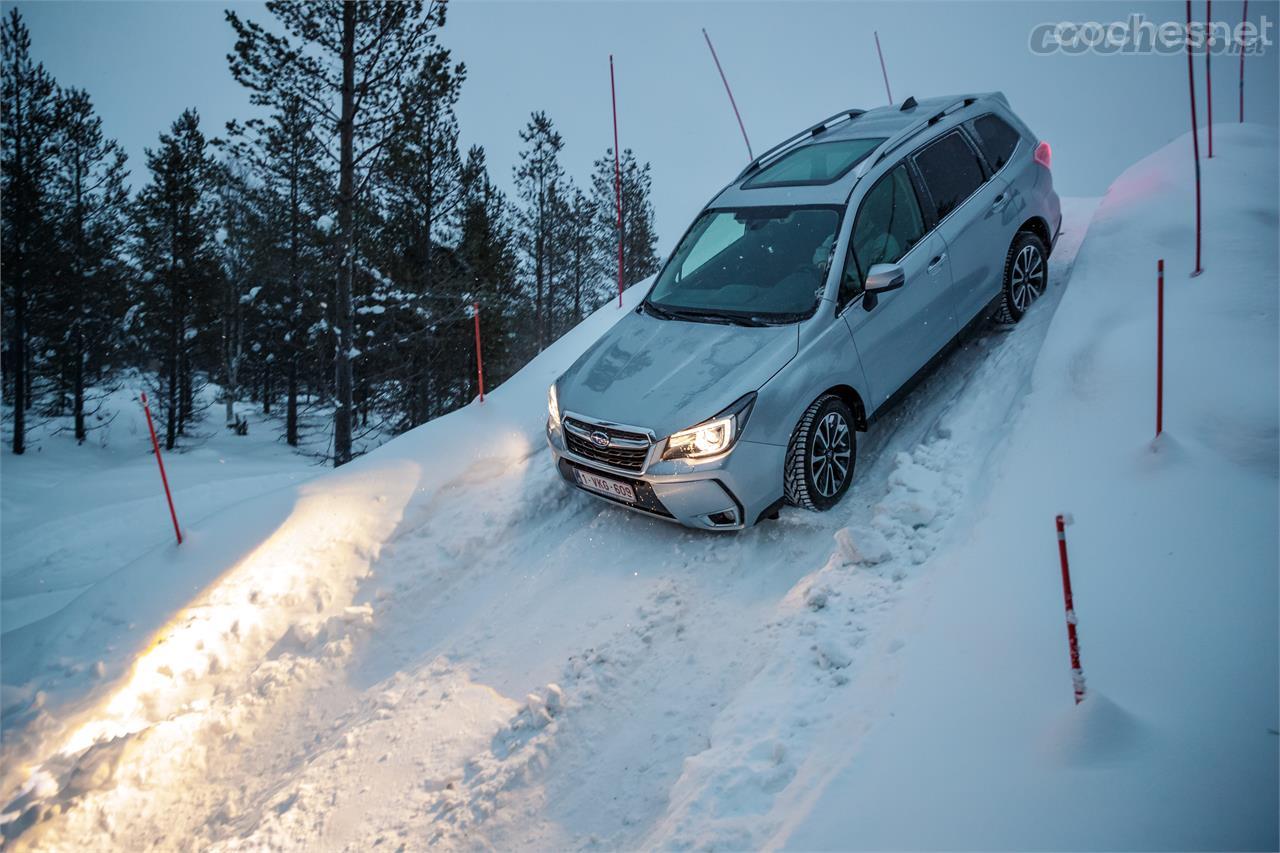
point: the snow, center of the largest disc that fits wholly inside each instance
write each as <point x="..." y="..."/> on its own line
<point x="1173" y="561"/>
<point x="441" y="645"/>
<point x="88" y="560"/>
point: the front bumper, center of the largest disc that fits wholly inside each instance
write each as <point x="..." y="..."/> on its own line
<point x="729" y="492"/>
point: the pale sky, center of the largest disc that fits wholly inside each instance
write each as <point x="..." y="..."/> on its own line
<point x="790" y="64"/>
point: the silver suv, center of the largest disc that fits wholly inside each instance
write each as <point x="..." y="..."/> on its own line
<point x="833" y="270"/>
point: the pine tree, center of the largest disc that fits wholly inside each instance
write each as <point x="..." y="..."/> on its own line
<point x="536" y="178"/>
<point x="176" y="220"/>
<point x="350" y="65"/>
<point x="284" y="157"/>
<point x="585" y="263"/>
<point x="89" y="182"/>
<point x="639" y="239"/>
<point x="486" y="252"/>
<point x="27" y="127"/>
<point x="421" y="185"/>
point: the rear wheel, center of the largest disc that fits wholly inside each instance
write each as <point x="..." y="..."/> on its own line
<point x="819" y="461"/>
<point x="1026" y="274"/>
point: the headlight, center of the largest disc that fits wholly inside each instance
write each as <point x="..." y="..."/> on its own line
<point x="553" y="405"/>
<point x="712" y="437"/>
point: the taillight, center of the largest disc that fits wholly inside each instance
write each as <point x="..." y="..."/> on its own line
<point x="1043" y="154"/>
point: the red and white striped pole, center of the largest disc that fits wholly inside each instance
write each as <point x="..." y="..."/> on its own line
<point x="882" y="69"/>
<point x="1159" y="347"/>
<point x="475" y="312"/>
<point x="155" y="444"/>
<point x="617" y="174"/>
<point x="1077" y="674"/>
<point x="1208" y="76"/>
<point x="1195" y="135"/>
<point x="1244" y="17"/>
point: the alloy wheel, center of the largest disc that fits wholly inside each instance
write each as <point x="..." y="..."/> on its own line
<point x="1026" y="279"/>
<point x="831" y="456"/>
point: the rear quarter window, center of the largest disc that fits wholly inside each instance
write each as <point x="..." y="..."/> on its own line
<point x="997" y="138"/>
<point x="951" y="172"/>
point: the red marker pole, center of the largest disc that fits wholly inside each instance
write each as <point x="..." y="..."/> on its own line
<point x="729" y="92"/>
<point x="1195" y="136"/>
<point x="1244" y="16"/>
<point x="1159" y="347"/>
<point x="159" y="461"/>
<point x="617" y="174"/>
<point x="475" y="312"/>
<point x="883" y="71"/>
<point x="1077" y="674"/>
<point x="1208" y="76"/>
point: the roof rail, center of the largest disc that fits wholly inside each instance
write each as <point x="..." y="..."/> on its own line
<point x="824" y="125"/>
<point x="899" y="138"/>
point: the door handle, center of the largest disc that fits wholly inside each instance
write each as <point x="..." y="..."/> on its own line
<point x="1000" y="201"/>
<point x="936" y="264"/>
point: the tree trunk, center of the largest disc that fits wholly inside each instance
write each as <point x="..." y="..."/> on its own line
<point x="291" y="413"/>
<point x="171" y="412"/>
<point x="185" y="397"/>
<point x="20" y="373"/>
<point x="295" y="317"/>
<point x="77" y="388"/>
<point x="346" y="262"/>
<point x="538" y="272"/>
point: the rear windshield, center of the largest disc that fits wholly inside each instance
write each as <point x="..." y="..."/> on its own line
<point x="768" y="263"/>
<point x="814" y="164"/>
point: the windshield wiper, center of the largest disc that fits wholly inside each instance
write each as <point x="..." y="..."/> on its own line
<point x="649" y="308"/>
<point x="728" y="318"/>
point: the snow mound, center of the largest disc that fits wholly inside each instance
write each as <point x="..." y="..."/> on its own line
<point x="1172" y="554"/>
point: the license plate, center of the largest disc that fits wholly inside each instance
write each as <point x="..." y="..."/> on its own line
<point x="604" y="485"/>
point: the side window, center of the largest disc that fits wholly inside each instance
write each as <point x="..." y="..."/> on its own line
<point x="888" y="225"/>
<point x="998" y="139"/>
<point x="951" y="172"/>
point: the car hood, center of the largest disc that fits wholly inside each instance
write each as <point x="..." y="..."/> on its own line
<point x="666" y="375"/>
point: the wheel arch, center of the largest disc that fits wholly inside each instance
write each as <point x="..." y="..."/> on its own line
<point x="851" y="398"/>
<point x="1036" y="225"/>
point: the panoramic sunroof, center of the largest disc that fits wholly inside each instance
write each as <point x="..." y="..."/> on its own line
<point x="814" y="164"/>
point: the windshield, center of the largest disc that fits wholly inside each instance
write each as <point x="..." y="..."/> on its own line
<point x="758" y="263"/>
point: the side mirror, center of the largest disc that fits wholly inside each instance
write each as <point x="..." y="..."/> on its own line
<point x="881" y="278"/>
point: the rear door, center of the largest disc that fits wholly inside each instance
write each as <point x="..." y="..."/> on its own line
<point x="908" y="325"/>
<point x="970" y="208"/>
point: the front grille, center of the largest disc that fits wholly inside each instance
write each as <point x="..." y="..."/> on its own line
<point x="626" y="458"/>
<point x="646" y="498"/>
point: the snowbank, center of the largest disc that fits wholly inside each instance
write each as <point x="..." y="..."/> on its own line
<point x="1173" y="556"/>
<point x="257" y="598"/>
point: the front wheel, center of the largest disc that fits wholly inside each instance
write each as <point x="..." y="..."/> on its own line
<point x="819" y="461"/>
<point x="1026" y="274"/>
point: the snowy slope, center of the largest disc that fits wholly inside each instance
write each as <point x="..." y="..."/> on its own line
<point x="440" y="644"/>
<point x="1173" y="555"/>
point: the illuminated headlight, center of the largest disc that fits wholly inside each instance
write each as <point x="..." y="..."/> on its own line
<point x="712" y="437"/>
<point x="553" y="406"/>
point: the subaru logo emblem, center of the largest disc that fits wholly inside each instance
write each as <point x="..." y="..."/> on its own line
<point x="600" y="439"/>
